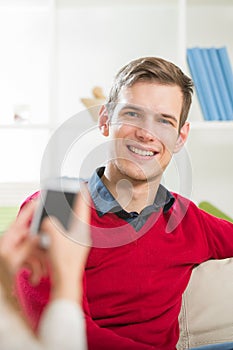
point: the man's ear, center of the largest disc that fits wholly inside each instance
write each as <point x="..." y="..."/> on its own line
<point x="103" y="121"/>
<point x="183" y="135"/>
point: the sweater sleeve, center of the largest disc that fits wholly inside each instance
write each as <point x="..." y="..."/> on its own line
<point x="62" y="326"/>
<point x="219" y="235"/>
<point x="14" y="333"/>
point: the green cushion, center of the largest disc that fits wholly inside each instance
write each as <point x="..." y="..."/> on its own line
<point x="209" y="208"/>
<point x="7" y="215"/>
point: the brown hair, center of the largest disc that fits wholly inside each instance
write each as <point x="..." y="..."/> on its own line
<point x="152" y="69"/>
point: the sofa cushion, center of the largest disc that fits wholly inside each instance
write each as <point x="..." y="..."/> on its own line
<point x="206" y="315"/>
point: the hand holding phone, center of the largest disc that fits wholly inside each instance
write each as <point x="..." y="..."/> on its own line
<point x="69" y="245"/>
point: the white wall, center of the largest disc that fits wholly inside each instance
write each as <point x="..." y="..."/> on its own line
<point x="95" y="42"/>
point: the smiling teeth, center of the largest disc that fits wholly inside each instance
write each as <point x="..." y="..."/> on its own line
<point x="141" y="152"/>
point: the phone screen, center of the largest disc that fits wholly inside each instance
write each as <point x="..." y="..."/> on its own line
<point x="59" y="204"/>
<point x="54" y="203"/>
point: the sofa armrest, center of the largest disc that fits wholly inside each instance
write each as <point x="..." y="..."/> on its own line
<point x="206" y="315"/>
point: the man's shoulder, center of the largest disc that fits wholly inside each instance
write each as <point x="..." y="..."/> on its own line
<point x="181" y="201"/>
<point x="191" y="209"/>
<point x="187" y="208"/>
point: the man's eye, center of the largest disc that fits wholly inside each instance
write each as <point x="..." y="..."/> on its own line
<point x="165" y="121"/>
<point x="132" y="114"/>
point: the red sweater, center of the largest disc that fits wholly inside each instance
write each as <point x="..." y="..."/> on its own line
<point x="132" y="293"/>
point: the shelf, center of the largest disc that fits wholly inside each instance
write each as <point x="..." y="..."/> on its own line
<point x="25" y="126"/>
<point x="212" y="125"/>
<point x="208" y="2"/>
<point x="110" y="3"/>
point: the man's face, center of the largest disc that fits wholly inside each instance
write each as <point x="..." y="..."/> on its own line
<point x="144" y="129"/>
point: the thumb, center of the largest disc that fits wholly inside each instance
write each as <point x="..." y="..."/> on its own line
<point x="80" y="230"/>
<point x="52" y="225"/>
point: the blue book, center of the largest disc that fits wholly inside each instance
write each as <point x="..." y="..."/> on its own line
<point x="227" y="70"/>
<point x="218" y="113"/>
<point x="221" y="83"/>
<point x="201" y="83"/>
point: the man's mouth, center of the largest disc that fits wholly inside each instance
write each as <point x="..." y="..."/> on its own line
<point x="141" y="152"/>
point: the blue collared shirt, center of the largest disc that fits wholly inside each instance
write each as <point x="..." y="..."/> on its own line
<point x="105" y="202"/>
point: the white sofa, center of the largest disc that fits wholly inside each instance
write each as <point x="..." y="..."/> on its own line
<point x="206" y="315"/>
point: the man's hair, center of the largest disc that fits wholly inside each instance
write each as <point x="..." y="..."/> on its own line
<point x="152" y="69"/>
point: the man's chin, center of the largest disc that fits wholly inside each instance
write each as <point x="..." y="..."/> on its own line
<point x="136" y="174"/>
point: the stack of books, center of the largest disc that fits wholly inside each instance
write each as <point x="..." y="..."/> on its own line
<point x="213" y="79"/>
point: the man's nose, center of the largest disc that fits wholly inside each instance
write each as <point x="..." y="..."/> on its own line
<point x="144" y="134"/>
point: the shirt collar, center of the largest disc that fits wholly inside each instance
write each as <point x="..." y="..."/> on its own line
<point x="105" y="202"/>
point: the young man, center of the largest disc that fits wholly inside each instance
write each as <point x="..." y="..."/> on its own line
<point x="146" y="240"/>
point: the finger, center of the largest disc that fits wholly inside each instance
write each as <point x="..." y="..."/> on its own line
<point x="25" y="215"/>
<point x="15" y="256"/>
<point x="12" y="239"/>
<point x="82" y="206"/>
<point x="52" y="225"/>
<point x="80" y="225"/>
<point x="37" y="269"/>
<point x="23" y="252"/>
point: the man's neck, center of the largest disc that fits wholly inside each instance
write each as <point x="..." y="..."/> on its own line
<point x="132" y="195"/>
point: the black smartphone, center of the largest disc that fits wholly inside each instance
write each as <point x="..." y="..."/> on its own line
<point x="56" y="199"/>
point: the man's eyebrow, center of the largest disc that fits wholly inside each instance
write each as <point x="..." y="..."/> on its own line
<point x="129" y="106"/>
